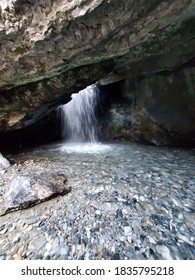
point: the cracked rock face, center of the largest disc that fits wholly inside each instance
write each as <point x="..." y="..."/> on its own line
<point x="28" y="190"/>
<point x="50" y="49"/>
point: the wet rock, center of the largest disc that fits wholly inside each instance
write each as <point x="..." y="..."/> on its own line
<point x="2" y="257"/>
<point x="164" y="252"/>
<point x="162" y="220"/>
<point x="90" y="29"/>
<point x="106" y="224"/>
<point x="3" y="231"/>
<point x="127" y="230"/>
<point x="28" y="190"/>
<point x="4" y="163"/>
<point x="18" y="257"/>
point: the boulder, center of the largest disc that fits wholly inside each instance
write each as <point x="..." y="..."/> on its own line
<point x="28" y="190"/>
<point x="4" y="163"/>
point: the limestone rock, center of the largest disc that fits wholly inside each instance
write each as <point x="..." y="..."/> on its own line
<point x="159" y="109"/>
<point x="50" y="49"/>
<point x="4" y="163"/>
<point x="28" y="190"/>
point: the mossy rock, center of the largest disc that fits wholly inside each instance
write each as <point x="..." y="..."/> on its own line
<point x="20" y="50"/>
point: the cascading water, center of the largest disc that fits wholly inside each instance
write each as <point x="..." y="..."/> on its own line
<point x="79" y="120"/>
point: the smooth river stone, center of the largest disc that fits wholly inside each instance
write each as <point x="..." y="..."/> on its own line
<point x="28" y="190"/>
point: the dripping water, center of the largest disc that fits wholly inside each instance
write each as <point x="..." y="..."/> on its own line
<point x="79" y="120"/>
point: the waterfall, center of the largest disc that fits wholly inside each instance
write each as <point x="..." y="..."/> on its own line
<point x="79" y="120"/>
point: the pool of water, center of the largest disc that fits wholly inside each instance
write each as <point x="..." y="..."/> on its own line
<point x="128" y="201"/>
<point x="164" y="157"/>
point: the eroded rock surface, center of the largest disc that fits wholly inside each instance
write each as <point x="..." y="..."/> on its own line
<point x="159" y="109"/>
<point x="28" y="190"/>
<point x="50" y="49"/>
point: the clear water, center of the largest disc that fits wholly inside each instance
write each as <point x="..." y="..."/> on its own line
<point x="152" y="187"/>
<point x="79" y="121"/>
<point x="134" y="152"/>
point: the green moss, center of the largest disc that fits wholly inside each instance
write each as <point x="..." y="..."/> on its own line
<point x="21" y="49"/>
<point x="118" y="131"/>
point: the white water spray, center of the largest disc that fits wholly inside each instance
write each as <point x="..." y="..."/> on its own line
<point x="79" y="121"/>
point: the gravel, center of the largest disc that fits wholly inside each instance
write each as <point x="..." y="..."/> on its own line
<point x="127" y="201"/>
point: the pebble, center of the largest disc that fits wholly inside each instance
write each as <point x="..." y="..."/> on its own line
<point x="130" y="202"/>
<point x="184" y="238"/>
<point x="164" y="251"/>
<point x="2" y="241"/>
<point x="4" y="231"/>
<point x="127" y="231"/>
<point x="12" y="228"/>
<point x="16" y="238"/>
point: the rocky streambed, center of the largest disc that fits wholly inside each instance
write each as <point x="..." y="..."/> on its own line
<point x="127" y="201"/>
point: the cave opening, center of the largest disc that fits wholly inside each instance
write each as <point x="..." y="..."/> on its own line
<point x="78" y="121"/>
<point x="128" y="110"/>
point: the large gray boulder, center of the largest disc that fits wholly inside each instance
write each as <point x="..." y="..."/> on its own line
<point x="28" y="190"/>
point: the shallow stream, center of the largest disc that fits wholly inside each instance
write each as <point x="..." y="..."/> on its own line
<point x="128" y="201"/>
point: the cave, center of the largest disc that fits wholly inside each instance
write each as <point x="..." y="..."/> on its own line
<point x="150" y="49"/>
<point x="121" y="74"/>
<point x="155" y="110"/>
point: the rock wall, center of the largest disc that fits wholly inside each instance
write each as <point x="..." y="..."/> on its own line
<point x="159" y="109"/>
<point x="169" y="98"/>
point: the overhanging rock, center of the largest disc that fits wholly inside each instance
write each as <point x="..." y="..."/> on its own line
<point x="50" y="49"/>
